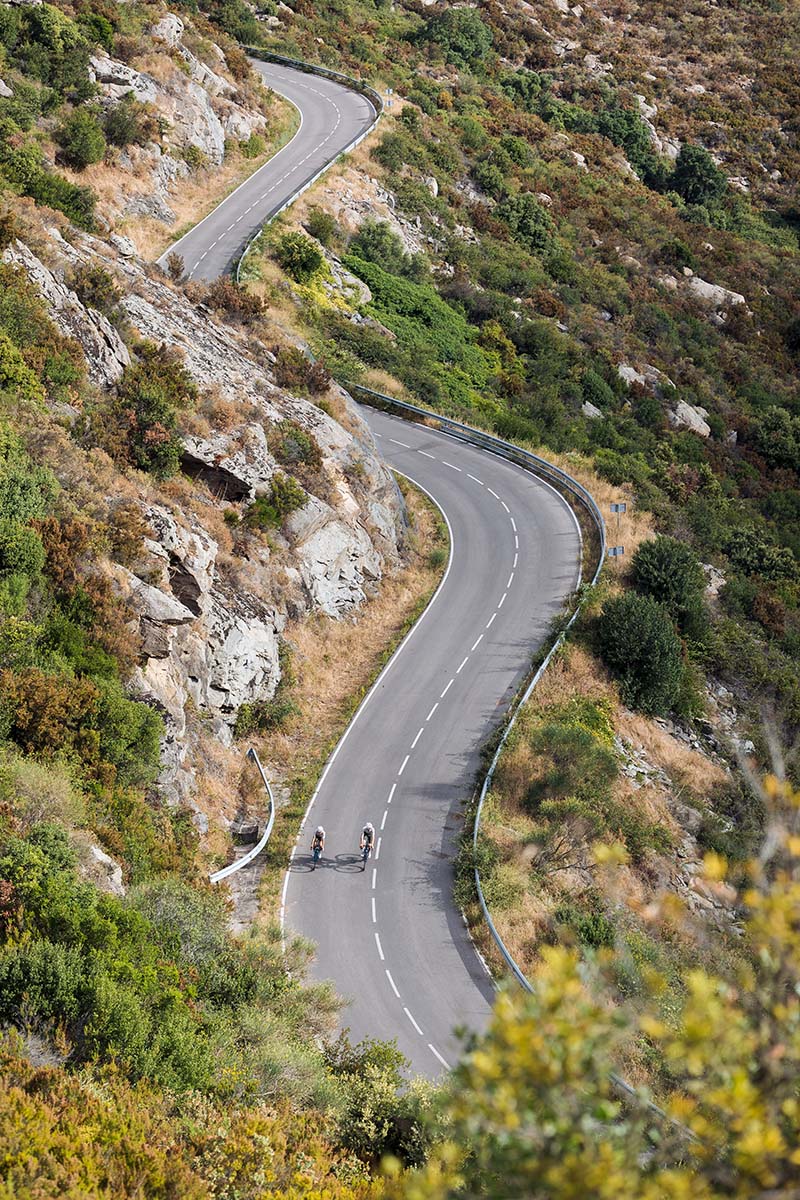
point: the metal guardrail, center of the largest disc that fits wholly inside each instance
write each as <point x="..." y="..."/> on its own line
<point x="348" y="81"/>
<point x="246" y="859"/>
<point x="553" y="474"/>
<point x="495" y="445"/>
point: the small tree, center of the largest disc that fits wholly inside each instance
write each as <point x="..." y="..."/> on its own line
<point x="175" y="267"/>
<point x="668" y="570"/>
<point x="299" y="256"/>
<point x="461" y="34"/>
<point x="696" y="177"/>
<point x="637" y="641"/>
<point x="81" y="139"/>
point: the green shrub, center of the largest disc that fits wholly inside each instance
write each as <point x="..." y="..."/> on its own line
<point x="16" y="376"/>
<point x="637" y="641"/>
<point x="21" y="549"/>
<point x="377" y="242"/>
<point x="254" y="147"/>
<point x="285" y="495"/>
<point x="152" y="391"/>
<point x="81" y="139"/>
<point x="591" y="929"/>
<point x="130" y="123"/>
<point x="696" y="177"/>
<point x="321" y="225"/>
<point x="529" y="222"/>
<point x="299" y="256"/>
<point x="461" y="34"/>
<point x="669" y="570"/>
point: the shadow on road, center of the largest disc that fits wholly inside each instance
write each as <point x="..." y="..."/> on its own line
<point x="347" y="864"/>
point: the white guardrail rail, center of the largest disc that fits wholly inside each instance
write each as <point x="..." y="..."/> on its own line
<point x="246" y="859"/>
<point x="554" y="475"/>
<point x="347" y="81"/>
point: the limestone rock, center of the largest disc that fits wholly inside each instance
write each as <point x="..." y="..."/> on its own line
<point x="686" y="416"/>
<point x="123" y="245"/>
<point x="713" y="294"/>
<point x="591" y="411"/>
<point x="116" y="79"/>
<point x="5" y="90"/>
<point x="432" y="184"/>
<point x="106" y="354"/>
<point x="239" y="124"/>
<point x="169" y="29"/>
<point x="102" y="870"/>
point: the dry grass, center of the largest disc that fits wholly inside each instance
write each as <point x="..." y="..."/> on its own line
<point x="522" y="917"/>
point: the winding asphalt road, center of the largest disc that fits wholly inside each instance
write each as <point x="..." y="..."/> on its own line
<point x="332" y="117"/>
<point x="390" y="937"/>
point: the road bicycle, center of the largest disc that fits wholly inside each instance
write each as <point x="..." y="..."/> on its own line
<point x="316" y="855"/>
<point x="366" y="850"/>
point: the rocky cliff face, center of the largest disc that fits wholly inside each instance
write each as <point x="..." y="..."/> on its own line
<point x="199" y="107"/>
<point x="211" y="609"/>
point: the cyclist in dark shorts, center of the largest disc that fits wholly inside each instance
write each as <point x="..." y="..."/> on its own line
<point x="317" y="845"/>
<point x="367" y="841"/>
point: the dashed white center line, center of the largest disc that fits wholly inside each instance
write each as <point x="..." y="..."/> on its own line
<point x="464" y="663"/>
<point x="380" y="948"/>
<point x="510" y="580"/>
<point x="516" y="560"/>
<point x="374" y="918"/>
<point x="385" y="815"/>
<point x="451" y="466"/>
<point x="502" y="600"/>
<point x="433" y="710"/>
<point x="516" y="542"/>
<point x="447" y="689"/>
<point x="405" y="760"/>
<point x="392" y="982"/>
<point x="413" y="1022"/>
<point x="419" y="735"/>
<point x="425" y="454"/>
<point x="491" y="619"/>
<point x="378" y="848"/>
<point x="505" y="506"/>
<point x="405" y="445"/>
<point x="513" y="525"/>
<point x="493" y="493"/>
<point x="374" y="876"/>
<point x="476" y="643"/>
<point x="435" y="1052"/>
<point x="475" y="479"/>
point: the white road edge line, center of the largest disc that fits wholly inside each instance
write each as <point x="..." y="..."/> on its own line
<point x="436" y="1054"/>
<point x="413" y="1022"/>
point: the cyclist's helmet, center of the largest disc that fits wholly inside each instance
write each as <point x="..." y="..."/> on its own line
<point x="320" y="832"/>
<point x="369" y="827"/>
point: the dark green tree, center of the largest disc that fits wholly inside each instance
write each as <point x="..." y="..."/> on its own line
<point x="696" y="177"/>
<point x="81" y="139"/>
<point x="638" y="643"/>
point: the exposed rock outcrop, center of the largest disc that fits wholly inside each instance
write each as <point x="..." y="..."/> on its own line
<point x="686" y="416"/>
<point x="211" y="619"/>
<point x="106" y="353"/>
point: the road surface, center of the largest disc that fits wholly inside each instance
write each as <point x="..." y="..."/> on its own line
<point x="332" y="117"/>
<point x="390" y="937"/>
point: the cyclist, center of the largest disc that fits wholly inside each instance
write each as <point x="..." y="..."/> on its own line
<point x="317" y="845"/>
<point x="367" y="842"/>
